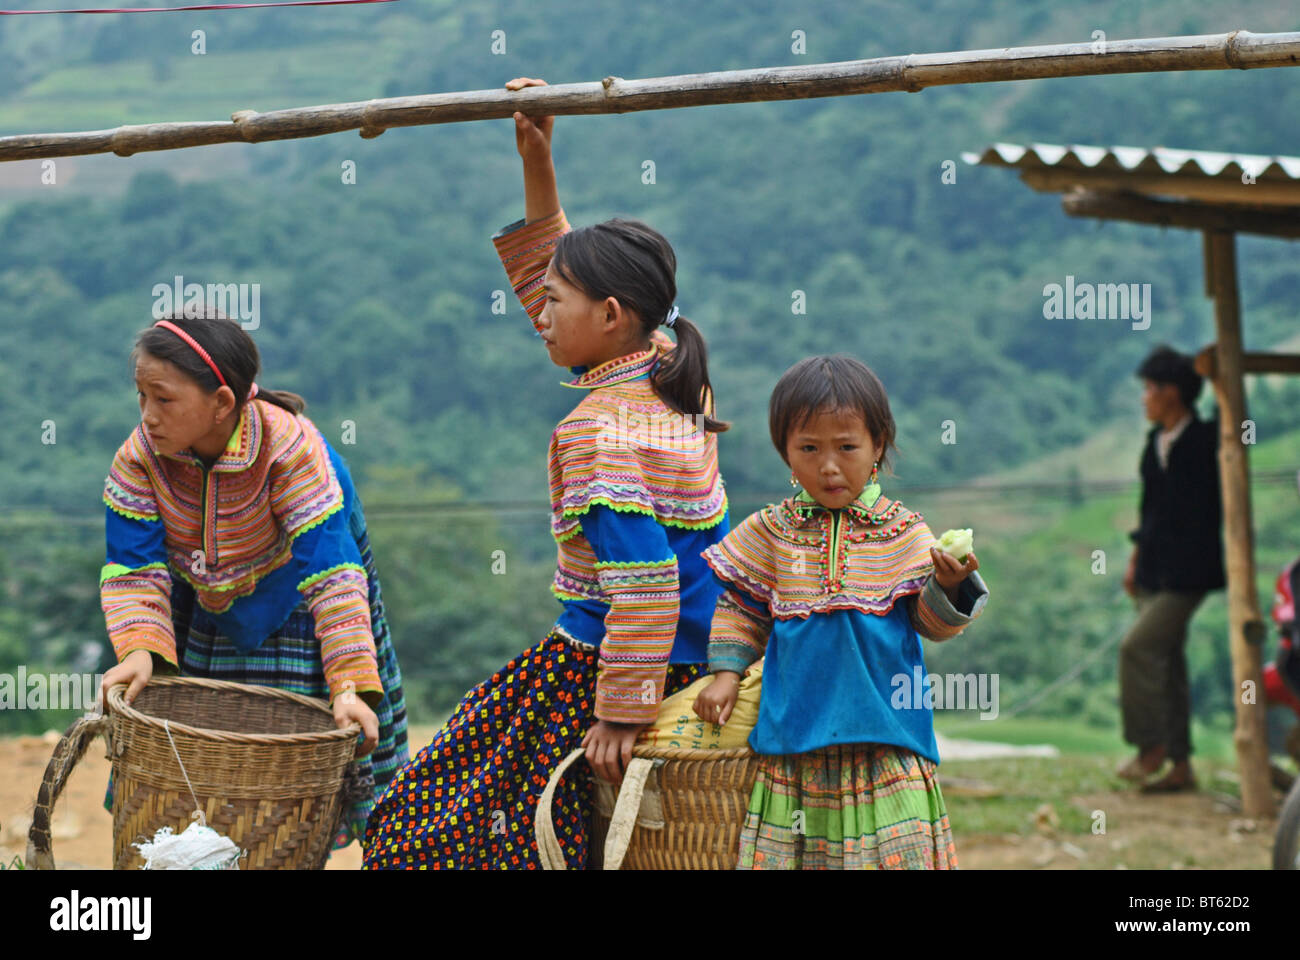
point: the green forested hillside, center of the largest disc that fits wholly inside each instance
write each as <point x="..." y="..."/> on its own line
<point x="376" y="298"/>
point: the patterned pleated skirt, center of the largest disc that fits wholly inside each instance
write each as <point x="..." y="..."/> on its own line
<point x="290" y="660"/>
<point x="860" y="806"/>
<point x="466" y="801"/>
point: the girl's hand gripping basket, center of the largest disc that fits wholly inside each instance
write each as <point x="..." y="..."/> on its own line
<point x="683" y="797"/>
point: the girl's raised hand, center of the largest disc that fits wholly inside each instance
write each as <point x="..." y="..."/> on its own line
<point x="532" y="133"/>
<point x="949" y="572"/>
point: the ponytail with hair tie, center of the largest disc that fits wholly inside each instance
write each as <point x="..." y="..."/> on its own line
<point x="634" y="263"/>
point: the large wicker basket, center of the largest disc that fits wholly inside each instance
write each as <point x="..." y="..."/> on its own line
<point x="675" y="810"/>
<point x="267" y="767"/>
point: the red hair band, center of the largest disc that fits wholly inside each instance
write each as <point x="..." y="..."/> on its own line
<point x="252" y="390"/>
<point x="195" y="344"/>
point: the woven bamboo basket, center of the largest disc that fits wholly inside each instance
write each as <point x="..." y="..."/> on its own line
<point x="268" y="768"/>
<point x="676" y="809"/>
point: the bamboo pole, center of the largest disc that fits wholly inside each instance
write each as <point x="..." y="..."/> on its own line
<point x="1246" y="629"/>
<point x="1240" y="50"/>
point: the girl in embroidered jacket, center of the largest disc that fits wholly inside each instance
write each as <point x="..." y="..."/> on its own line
<point x="237" y="546"/>
<point x="635" y="497"/>
<point x="835" y="586"/>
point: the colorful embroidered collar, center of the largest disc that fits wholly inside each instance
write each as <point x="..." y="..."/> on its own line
<point x="630" y="366"/>
<point x="241" y="449"/>
<point x="870" y="506"/>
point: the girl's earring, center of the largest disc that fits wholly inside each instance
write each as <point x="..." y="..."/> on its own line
<point x="875" y="469"/>
<point x="793" y="481"/>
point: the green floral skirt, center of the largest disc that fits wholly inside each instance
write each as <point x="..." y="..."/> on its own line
<point x="858" y="806"/>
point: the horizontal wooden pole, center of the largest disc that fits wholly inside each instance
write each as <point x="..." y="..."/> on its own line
<point x="1107" y="205"/>
<point x="1270" y="362"/>
<point x="1237" y="50"/>
<point x="1207" y="362"/>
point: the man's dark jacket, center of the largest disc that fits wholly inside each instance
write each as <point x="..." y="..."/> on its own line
<point x="1179" y="539"/>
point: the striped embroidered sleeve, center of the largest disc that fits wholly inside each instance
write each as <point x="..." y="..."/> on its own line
<point x="739" y="632"/>
<point x="638" y="576"/>
<point x="933" y="614"/>
<point x="525" y="250"/>
<point x="743" y="562"/>
<point x="134" y="583"/>
<point x="328" y="562"/>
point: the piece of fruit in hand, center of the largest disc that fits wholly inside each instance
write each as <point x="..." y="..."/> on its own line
<point x="957" y="543"/>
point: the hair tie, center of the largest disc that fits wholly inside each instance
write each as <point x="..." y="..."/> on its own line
<point x="252" y="391"/>
<point x="195" y="344"/>
<point x="672" y="316"/>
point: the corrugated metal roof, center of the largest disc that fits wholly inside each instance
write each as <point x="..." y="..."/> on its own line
<point x="1156" y="160"/>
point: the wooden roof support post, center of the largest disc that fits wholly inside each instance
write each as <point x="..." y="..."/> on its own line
<point x="1246" y="629"/>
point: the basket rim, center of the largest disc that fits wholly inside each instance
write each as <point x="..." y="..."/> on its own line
<point x="119" y="706"/>
<point x="686" y="753"/>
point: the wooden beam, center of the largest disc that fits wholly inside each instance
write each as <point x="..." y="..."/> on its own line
<point x="1193" y="216"/>
<point x="1246" y="628"/>
<point x="1207" y="362"/>
<point x="1271" y="362"/>
<point x="1278" y="191"/>
<point x="1239" y="50"/>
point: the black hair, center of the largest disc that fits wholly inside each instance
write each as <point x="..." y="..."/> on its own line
<point x="1166" y="365"/>
<point x="229" y="346"/>
<point x="635" y="264"/>
<point x="829" y="384"/>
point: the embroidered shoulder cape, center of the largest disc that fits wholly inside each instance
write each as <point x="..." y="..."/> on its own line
<point x="783" y="555"/>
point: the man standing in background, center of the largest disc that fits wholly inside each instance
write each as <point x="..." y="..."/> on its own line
<point x="1177" y="559"/>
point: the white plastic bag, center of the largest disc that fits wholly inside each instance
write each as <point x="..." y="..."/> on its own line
<point x="197" y="847"/>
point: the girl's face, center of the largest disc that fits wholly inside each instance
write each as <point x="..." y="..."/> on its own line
<point x="177" y="413"/>
<point x="832" y="455"/>
<point x="581" y="332"/>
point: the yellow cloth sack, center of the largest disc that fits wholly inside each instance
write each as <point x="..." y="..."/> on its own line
<point x="678" y="726"/>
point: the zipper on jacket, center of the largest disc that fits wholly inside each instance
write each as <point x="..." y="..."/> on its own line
<point x="209" y="550"/>
<point x="833" y="563"/>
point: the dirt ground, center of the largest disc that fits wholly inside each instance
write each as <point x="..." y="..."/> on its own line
<point x="1199" y="830"/>
<point x="1190" y="831"/>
